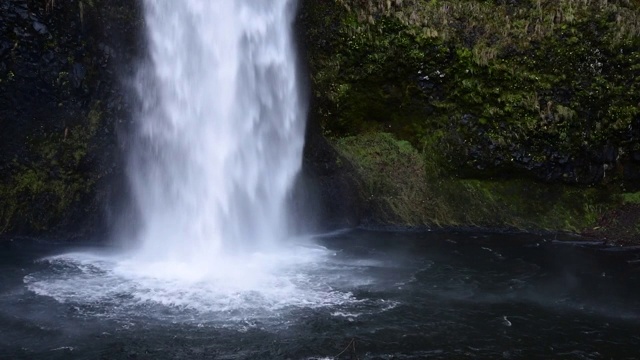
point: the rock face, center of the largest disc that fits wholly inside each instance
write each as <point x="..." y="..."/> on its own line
<point x="328" y="192"/>
<point x="61" y="106"/>
<point x="544" y="90"/>
<point x="479" y="104"/>
<point x="525" y="112"/>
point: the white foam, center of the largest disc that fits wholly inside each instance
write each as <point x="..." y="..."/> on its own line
<point x="345" y="314"/>
<point x="259" y="286"/>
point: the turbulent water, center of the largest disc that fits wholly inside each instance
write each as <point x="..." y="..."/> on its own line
<point x="221" y="131"/>
<point x="397" y="295"/>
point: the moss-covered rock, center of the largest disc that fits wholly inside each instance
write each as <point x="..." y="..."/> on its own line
<point x="545" y="89"/>
<point x="61" y="105"/>
<point x="402" y="186"/>
<point x="520" y="113"/>
<point x="392" y="178"/>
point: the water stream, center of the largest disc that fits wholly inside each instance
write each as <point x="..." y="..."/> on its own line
<point x="221" y="131"/>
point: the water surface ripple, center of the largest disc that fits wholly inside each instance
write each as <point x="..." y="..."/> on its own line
<point x="396" y="295"/>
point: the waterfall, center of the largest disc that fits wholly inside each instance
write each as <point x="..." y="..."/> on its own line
<point x="216" y="150"/>
<point x="221" y="131"/>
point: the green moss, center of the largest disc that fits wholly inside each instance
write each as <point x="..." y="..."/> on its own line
<point x="631" y="198"/>
<point x="525" y="205"/>
<point x="392" y="174"/>
<point x="490" y="94"/>
<point x="38" y="192"/>
<point x="409" y="188"/>
<point x="497" y="22"/>
<point x="554" y="76"/>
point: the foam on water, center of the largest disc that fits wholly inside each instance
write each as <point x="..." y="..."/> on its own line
<point x="262" y="286"/>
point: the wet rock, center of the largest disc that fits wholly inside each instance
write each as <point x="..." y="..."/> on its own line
<point x="610" y="154"/>
<point x="563" y="160"/>
<point x="22" y="11"/>
<point x="78" y="74"/>
<point x="40" y="28"/>
<point x="51" y="84"/>
<point x="631" y="176"/>
<point x="329" y="185"/>
<point x="4" y="47"/>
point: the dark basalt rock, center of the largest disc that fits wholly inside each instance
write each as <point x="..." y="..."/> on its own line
<point x="329" y="185"/>
<point x="61" y="107"/>
<point x="632" y="176"/>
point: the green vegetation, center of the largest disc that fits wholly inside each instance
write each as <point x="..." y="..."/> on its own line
<point x="522" y="112"/>
<point x="502" y="23"/>
<point x="500" y="79"/>
<point x="631" y="198"/>
<point x="62" y="102"/>
<point x="405" y="187"/>
<point x="393" y="176"/>
<point x="53" y="179"/>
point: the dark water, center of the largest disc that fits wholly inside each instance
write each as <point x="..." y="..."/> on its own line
<point x="407" y="296"/>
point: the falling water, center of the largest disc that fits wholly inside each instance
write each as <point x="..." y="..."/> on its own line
<point x="216" y="152"/>
<point x="222" y="127"/>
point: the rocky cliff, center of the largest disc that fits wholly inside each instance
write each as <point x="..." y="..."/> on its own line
<point x="499" y="113"/>
<point x="519" y="114"/>
<point x="62" y="103"/>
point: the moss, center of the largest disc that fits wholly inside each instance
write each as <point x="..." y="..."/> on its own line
<point x="41" y="190"/>
<point x="499" y="22"/>
<point x="505" y="102"/>
<point x="631" y="198"/>
<point x="515" y="203"/>
<point x="407" y="187"/>
<point x="392" y="174"/>
<point x="525" y="205"/>
<point x="503" y="83"/>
